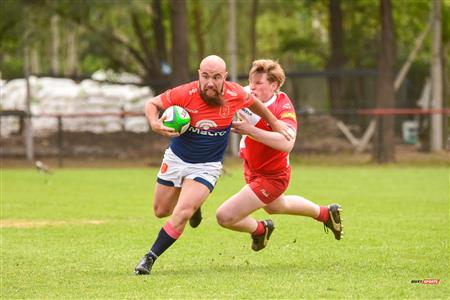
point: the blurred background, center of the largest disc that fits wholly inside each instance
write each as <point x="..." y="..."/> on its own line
<point x="367" y="77"/>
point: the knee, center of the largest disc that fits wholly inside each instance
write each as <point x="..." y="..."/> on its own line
<point x="161" y="211"/>
<point x="272" y="210"/>
<point x="224" y="218"/>
<point x="183" y="215"/>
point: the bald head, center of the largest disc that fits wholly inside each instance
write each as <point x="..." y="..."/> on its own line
<point x="211" y="77"/>
<point x="213" y="64"/>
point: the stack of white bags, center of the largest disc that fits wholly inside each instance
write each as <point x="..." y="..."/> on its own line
<point x="65" y="96"/>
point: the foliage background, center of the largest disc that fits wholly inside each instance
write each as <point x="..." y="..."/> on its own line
<point x="293" y="31"/>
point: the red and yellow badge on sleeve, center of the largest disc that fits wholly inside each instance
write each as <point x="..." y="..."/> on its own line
<point x="289" y="115"/>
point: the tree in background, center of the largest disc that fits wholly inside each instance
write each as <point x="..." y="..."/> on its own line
<point x="180" y="47"/>
<point x="337" y="58"/>
<point x="138" y="37"/>
<point x="384" y="141"/>
<point x="252" y="34"/>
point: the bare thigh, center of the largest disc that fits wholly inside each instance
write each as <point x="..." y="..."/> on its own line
<point x="191" y="197"/>
<point x="164" y="199"/>
<point x="238" y="206"/>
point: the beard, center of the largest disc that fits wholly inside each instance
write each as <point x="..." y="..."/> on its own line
<point x="215" y="100"/>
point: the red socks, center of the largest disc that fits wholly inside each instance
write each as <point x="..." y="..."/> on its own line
<point x="323" y="214"/>
<point x="260" y="229"/>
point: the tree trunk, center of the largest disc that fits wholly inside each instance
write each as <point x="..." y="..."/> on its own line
<point x="232" y="67"/>
<point x="436" y="78"/>
<point x="446" y="92"/>
<point x="55" y="67"/>
<point x="159" y="33"/>
<point x="35" y="64"/>
<point x="28" y="124"/>
<point x="337" y="58"/>
<point x="148" y="55"/>
<point x="199" y="34"/>
<point x="178" y="20"/>
<point x="253" y="22"/>
<point x="72" y="53"/>
<point x="384" y="144"/>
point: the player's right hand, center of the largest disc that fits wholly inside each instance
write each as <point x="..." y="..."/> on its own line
<point x="158" y="127"/>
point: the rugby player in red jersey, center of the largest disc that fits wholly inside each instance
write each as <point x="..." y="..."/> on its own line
<point x="193" y="162"/>
<point x="266" y="165"/>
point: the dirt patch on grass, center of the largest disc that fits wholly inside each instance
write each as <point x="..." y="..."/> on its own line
<point x="13" y="223"/>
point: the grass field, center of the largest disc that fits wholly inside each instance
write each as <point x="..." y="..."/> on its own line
<point x="79" y="233"/>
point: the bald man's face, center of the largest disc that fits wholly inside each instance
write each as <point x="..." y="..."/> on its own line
<point x="212" y="76"/>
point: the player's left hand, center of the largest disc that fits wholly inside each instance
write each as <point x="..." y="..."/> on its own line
<point x="242" y="126"/>
<point x="284" y="129"/>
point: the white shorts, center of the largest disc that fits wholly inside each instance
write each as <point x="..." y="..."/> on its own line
<point x="174" y="170"/>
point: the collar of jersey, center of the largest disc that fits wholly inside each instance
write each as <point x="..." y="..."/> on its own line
<point x="272" y="100"/>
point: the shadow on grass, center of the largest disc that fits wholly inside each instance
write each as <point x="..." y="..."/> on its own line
<point x="224" y="269"/>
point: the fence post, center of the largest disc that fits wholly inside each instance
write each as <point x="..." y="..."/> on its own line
<point x="60" y="142"/>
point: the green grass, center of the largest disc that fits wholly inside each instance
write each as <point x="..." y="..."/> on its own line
<point x="396" y="230"/>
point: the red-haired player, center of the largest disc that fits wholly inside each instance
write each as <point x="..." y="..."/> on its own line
<point x="266" y="165"/>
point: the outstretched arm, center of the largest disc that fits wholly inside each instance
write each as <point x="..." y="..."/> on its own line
<point x="272" y="139"/>
<point x="277" y="126"/>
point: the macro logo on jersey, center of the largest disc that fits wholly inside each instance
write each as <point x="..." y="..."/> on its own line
<point x="205" y="124"/>
<point x="207" y="127"/>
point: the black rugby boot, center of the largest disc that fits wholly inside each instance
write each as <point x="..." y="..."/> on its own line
<point x="334" y="222"/>
<point x="260" y="241"/>
<point x="196" y="218"/>
<point x="144" y="266"/>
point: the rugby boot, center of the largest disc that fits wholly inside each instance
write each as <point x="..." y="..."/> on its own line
<point x="144" y="266"/>
<point x="196" y="218"/>
<point x="334" y="222"/>
<point x="260" y="241"/>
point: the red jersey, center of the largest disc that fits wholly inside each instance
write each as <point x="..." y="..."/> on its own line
<point x="207" y="137"/>
<point x="258" y="157"/>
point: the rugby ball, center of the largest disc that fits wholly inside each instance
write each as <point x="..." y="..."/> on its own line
<point x="177" y="118"/>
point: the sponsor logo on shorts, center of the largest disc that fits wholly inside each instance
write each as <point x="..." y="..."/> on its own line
<point x="164" y="168"/>
<point x="264" y="192"/>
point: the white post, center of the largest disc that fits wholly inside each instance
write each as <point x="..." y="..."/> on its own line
<point x="232" y="69"/>
<point x="28" y="125"/>
<point x="436" y="78"/>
